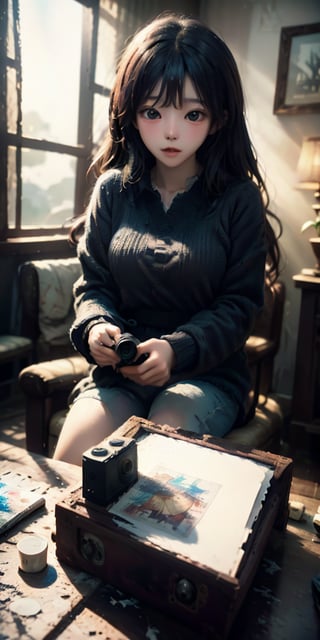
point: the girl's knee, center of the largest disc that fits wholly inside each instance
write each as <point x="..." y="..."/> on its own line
<point x="197" y="407"/>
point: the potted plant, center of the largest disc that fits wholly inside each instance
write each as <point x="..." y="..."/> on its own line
<point x="315" y="240"/>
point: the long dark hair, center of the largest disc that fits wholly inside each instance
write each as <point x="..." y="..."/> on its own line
<point x="168" y="49"/>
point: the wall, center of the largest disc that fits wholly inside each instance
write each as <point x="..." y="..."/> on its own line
<point x="252" y="30"/>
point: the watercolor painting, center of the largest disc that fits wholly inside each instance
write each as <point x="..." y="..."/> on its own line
<point x="15" y="504"/>
<point x="171" y="503"/>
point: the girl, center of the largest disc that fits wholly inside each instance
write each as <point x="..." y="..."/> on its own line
<point x="175" y="244"/>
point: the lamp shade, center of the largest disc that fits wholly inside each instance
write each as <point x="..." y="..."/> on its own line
<point x="309" y="164"/>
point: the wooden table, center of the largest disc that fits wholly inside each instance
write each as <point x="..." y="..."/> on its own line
<point x="75" y="606"/>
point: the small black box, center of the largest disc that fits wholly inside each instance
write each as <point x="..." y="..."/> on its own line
<point x="109" y="469"/>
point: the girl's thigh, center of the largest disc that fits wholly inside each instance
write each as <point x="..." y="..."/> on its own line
<point x="118" y="404"/>
<point x="93" y="416"/>
<point x="195" y="406"/>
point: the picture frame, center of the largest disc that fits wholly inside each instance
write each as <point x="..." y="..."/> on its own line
<point x="298" y="74"/>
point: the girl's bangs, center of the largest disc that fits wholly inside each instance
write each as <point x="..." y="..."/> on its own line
<point x="171" y="77"/>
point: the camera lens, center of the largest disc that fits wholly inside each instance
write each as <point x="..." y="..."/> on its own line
<point x="126" y="348"/>
<point x="126" y="466"/>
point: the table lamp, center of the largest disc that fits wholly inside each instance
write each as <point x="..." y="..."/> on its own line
<point x="309" y="178"/>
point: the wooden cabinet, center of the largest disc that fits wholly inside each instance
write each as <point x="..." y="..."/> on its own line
<point x="306" y="389"/>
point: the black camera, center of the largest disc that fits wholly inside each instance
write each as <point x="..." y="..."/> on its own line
<point x="126" y="348"/>
<point x="109" y="469"/>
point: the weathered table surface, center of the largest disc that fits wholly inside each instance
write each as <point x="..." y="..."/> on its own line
<point x="74" y="605"/>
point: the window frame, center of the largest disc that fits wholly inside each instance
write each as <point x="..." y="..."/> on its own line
<point x="82" y="151"/>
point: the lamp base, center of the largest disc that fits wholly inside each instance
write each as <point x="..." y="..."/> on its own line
<point x="311" y="272"/>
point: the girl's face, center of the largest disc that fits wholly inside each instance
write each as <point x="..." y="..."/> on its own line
<point x="173" y="134"/>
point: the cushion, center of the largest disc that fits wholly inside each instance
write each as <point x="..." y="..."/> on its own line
<point x="263" y="431"/>
<point x="13" y="347"/>
<point x="56" y="313"/>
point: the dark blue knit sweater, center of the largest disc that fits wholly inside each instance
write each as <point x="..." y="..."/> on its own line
<point x="193" y="275"/>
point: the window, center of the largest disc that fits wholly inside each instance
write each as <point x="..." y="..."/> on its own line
<point x="48" y="119"/>
<point x="57" y="64"/>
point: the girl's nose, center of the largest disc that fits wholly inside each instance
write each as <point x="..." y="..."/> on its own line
<point x="171" y="136"/>
<point x="171" y="127"/>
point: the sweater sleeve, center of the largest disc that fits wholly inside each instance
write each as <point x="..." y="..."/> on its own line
<point x="95" y="293"/>
<point x="211" y="336"/>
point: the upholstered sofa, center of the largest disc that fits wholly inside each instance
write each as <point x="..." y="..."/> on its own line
<point x="47" y="311"/>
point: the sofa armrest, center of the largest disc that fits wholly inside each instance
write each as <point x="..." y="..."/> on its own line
<point x="47" y="378"/>
<point x="258" y="348"/>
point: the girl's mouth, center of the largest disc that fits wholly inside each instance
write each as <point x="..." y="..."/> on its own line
<point x="170" y="151"/>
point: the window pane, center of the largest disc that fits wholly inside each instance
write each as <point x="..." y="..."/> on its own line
<point x="50" y="52"/>
<point x="12" y="187"/>
<point x="48" y="189"/>
<point x="107" y="41"/>
<point x="100" y="118"/>
<point x="10" y="41"/>
<point x="12" y="102"/>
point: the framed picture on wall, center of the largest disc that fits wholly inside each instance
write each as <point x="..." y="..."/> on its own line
<point x="298" y="75"/>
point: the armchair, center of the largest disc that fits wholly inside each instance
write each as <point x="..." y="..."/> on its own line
<point x="46" y="295"/>
<point x="47" y="384"/>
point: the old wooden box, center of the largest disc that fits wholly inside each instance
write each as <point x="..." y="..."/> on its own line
<point x="169" y="546"/>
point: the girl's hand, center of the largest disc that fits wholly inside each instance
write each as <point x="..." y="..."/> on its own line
<point x="156" y="369"/>
<point x="101" y="339"/>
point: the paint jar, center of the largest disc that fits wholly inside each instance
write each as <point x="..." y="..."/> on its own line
<point x="32" y="552"/>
